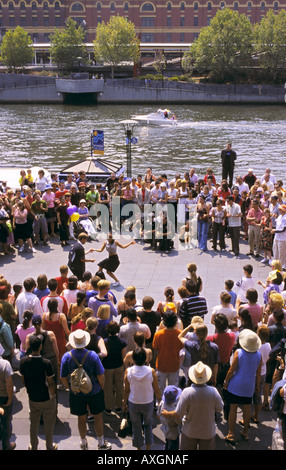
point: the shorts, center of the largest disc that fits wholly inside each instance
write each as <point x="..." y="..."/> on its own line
<point x="79" y="404"/>
<point x="233" y="399"/>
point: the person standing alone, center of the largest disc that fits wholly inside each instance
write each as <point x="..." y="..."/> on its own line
<point x="228" y="157"/>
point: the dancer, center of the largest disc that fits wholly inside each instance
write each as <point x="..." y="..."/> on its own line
<point x="112" y="262"/>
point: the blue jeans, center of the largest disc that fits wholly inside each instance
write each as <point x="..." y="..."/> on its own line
<point x="203" y="228"/>
<point x="141" y="414"/>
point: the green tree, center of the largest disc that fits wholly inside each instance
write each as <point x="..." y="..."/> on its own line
<point x="16" y="49"/>
<point x="116" y="42"/>
<point x="160" y="63"/>
<point x="67" y="46"/>
<point x="223" y="47"/>
<point x="270" y="42"/>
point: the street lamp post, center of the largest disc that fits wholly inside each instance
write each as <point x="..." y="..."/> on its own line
<point x="128" y="125"/>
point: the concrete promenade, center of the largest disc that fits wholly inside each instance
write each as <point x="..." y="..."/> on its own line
<point x="150" y="272"/>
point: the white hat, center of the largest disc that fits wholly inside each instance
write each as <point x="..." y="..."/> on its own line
<point x="200" y="373"/>
<point x="79" y="339"/>
<point x="249" y="341"/>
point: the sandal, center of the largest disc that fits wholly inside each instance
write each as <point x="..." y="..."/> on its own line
<point x="241" y="422"/>
<point x="230" y="439"/>
<point x="254" y="420"/>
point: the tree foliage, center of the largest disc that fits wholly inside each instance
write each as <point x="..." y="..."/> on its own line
<point x="67" y="46"/>
<point x="222" y="47"/>
<point x="116" y="42"/>
<point x="270" y="42"/>
<point x="16" y="49"/>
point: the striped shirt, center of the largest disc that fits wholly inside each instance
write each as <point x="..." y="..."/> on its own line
<point x="192" y="306"/>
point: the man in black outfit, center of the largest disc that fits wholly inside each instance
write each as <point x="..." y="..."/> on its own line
<point x="37" y="373"/>
<point x="77" y="256"/>
<point x="228" y="157"/>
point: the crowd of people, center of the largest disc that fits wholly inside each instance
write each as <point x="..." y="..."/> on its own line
<point x="143" y="360"/>
<point x="201" y="210"/>
<point x="137" y="358"/>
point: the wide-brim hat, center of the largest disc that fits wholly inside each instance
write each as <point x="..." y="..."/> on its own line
<point x="171" y="394"/>
<point x="200" y="373"/>
<point x="249" y="341"/>
<point x="79" y="339"/>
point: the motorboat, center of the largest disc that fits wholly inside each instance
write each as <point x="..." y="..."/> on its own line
<point x="163" y="117"/>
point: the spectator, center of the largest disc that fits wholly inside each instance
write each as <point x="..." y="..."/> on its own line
<point x="171" y="425"/>
<point x="140" y="384"/>
<point x="38" y="375"/>
<point x="56" y="321"/>
<point x="228" y="285"/>
<point x="225" y="307"/>
<point x="27" y="300"/>
<point x="255" y="310"/>
<point x="6" y="402"/>
<point x="114" y="368"/>
<point x="242" y="380"/>
<point x="128" y="331"/>
<point x="198" y="405"/>
<point x="245" y="282"/>
<point x="53" y="294"/>
<point x="93" y="401"/>
<point x="167" y="345"/>
<point x="103" y="297"/>
<point x="194" y="305"/>
<point x="23" y="330"/>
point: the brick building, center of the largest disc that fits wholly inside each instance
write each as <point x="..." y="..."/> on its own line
<point x="156" y="21"/>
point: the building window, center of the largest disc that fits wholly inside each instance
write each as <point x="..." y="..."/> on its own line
<point x="148" y="7"/>
<point x="262" y="6"/>
<point x="209" y="6"/>
<point x="23" y="6"/>
<point x="169" y="21"/>
<point x="46" y="37"/>
<point x="112" y="7"/>
<point x="126" y="7"/>
<point x="23" y="21"/>
<point x="147" y="37"/>
<point x="182" y="6"/>
<point x="34" y="6"/>
<point x="222" y="5"/>
<point x="46" y="21"/>
<point x="34" y="21"/>
<point x="209" y="18"/>
<point x="169" y="6"/>
<point x="182" y="21"/>
<point x="98" y="6"/>
<point x="99" y="20"/>
<point x="57" y="6"/>
<point x="249" y="6"/>
<point x="196" y="21"/>
<point x="196" y="35"/>
<point x="196" y="6"/>
<point x="236" y="6"/>
<point x="169" y="37"/>
<point x="77" y="7"/>
<point x="275" y="5"/>
<point x="182" y="37"/>
<point x="57" y="21"/>
<point x="11" y="6"/>
<point x="147" y="22"/>
<point x="45" y="6"/>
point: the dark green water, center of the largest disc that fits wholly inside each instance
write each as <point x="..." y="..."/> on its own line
<point x="54" y="136"/>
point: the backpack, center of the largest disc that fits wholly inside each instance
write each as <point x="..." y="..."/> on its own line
<point x="79" y="379"/>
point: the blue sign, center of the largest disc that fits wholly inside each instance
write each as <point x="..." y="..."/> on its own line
<point x="134" y="140"/>
<point x="98" y="141"/>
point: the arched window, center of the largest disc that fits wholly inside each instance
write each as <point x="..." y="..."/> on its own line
<point x="112" y="6"/>
<point x="196" y="6"/>
<point x="45" y="6"/>
<point x="57" y="6"/>
<point x="169" y="6"/>
<point x="11" y="6"/>
<point x="98" y="6"/>
<point x="34" y="6"/>
<point x="275" y="5"/>
<point x="235" y="6"/>
<point x="262" y="6"/>
<point x="148" y="7"/>
<point x="23" y="6"/>
<point x="209" y="6"/>
<point x="182" y="6"/>
<point x="126" y="7"/>
<point x="222" y="5"/>
<point x="249" y="6"/>
<point x="77" y="7"/>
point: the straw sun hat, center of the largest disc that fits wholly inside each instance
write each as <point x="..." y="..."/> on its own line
<point x="249" y="341"/>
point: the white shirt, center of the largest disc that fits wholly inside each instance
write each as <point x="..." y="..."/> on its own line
<point x="243" y="285"/>
<point x="233" y="210"/>
<point x="280" y="224"/>
<point x="28" y="301"/>
<point x="243" y="187"/>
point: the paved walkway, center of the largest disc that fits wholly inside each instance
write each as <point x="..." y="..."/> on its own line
<point x="150" y="272"/>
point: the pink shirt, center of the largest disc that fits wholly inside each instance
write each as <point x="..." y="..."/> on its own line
<point x="255" y="311"/>
<point x="49" y="198"/>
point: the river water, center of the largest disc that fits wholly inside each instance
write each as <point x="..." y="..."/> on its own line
<point x="53" y="136"/>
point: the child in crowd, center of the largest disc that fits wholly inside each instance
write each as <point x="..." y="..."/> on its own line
<point x="170" y="425"/>
<point x="228" y="286"/>
<point x="245" y="282"/>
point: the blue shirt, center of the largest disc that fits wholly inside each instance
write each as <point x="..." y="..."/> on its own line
<point x="242" y="383"/>
<point x="92" y="366"/>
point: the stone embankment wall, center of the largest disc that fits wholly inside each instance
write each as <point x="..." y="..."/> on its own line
<point x="21" y="88"/>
